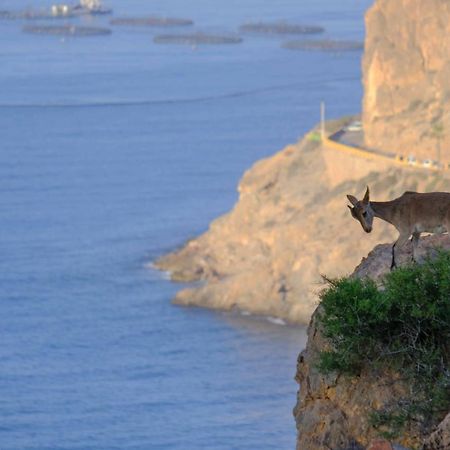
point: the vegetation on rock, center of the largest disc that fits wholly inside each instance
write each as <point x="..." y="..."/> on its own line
<point x="401" y="327"/>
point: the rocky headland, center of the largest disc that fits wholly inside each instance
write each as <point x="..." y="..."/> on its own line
<point x="290" y="225"/>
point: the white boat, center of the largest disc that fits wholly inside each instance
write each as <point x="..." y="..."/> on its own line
<point x="60" y="10"/>
<point x="84" y="7"/>
<point x="93" y="7"/>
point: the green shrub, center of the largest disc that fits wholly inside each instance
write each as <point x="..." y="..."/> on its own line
<point x="405" y="327"/>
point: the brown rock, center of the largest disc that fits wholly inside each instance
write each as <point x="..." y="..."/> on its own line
<point x="377" y="263"/>
<point x="440" y="439"/>
<point x="406" y="70"/>
<point x="333" y="411"/>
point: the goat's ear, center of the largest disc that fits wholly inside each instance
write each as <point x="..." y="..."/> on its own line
<point x="352" y="200"/>
<point x="366" y="196"/>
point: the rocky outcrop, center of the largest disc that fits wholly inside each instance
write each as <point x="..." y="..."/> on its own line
<point x="440" y="439"/>
<point x="290" y="225"/>
<point x="407" y="78"/>
<point x="332" y="412"/>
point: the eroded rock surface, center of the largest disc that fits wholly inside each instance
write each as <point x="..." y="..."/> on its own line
<point x="440" y="439"/>
<point x="332" y="412"/>
<point x="407" y="78"/>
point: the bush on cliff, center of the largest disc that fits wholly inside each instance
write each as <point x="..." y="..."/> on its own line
<point x="404" y="327"/>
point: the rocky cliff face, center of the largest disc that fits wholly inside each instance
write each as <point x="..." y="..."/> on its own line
<point x="290" y="225"/>
<point x="332" y="412"/>
<point x="440" y="438"/>
<point x="407" y="78"/>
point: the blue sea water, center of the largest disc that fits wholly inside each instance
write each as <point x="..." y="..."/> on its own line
<point x="115" y="150"/>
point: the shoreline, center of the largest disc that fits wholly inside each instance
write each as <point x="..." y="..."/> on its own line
<point x="267" y="255"/>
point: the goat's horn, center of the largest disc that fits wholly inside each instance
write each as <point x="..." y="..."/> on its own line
<point x="366" y="196"/>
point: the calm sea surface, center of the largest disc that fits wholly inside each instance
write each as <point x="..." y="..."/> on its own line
<point x="113" y="151"/>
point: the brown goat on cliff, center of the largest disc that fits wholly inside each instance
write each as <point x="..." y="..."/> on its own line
<point x="411" y="214"/>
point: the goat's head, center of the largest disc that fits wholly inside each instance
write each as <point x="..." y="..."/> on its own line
<point x="362" y="211"/>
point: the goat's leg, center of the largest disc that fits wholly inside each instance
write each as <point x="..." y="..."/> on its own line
<point x="393" y="264"/>
<point x="402" y="239"/>
<point x="415" y="242"/>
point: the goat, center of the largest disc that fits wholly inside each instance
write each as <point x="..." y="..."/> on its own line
<point x="411" y="214"/>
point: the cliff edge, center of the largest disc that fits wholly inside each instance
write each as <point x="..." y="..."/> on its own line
<point x="334" y="411"/>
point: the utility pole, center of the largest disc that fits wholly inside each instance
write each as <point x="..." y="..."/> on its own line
<point x="322" y="120"/>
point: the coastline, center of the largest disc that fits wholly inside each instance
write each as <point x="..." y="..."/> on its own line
<point x="289" y="227"/>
